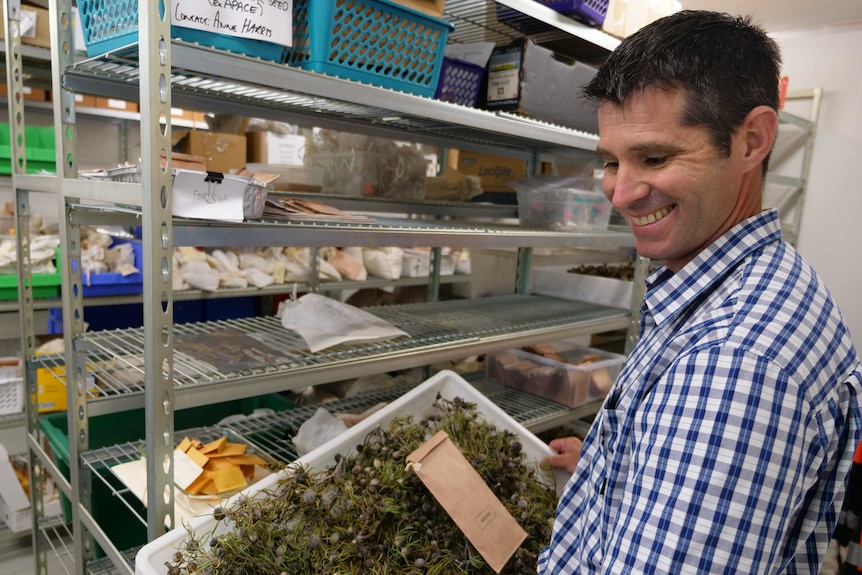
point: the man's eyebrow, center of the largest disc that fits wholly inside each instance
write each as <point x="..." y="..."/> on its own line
<point x="651" y="147"/>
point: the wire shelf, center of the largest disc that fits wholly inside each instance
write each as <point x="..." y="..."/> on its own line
<point x="116" y="358"/>
<point x="58" y="536"/>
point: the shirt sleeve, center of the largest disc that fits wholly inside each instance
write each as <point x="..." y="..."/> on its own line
<point x="725" y="451"/>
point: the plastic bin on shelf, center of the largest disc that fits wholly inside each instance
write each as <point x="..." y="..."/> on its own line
<point x="459" y="83"/>
<point x="11" y="386"/>
<point x="109" y="510"/>
<point x="560" y="282"/>
<point x="112" y="25"/>
<point x="39" y="151"/>
<point x="418" y="402"/>
<point x="377" y="42"/>
<point x="44" y="286"/>
<point x="586" y="374"/>
<point x="115" y="283"/>
<point x="589" y="12"/>
<point x="563" y="209"/>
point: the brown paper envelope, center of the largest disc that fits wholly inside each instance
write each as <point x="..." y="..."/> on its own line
<point x="467" y="499"/>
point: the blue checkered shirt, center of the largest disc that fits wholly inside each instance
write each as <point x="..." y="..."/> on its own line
<point x="726" y="442"/>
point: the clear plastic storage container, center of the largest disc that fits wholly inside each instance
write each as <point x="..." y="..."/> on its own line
<point x="578" y="376"/>
<point x="563" y="209"/>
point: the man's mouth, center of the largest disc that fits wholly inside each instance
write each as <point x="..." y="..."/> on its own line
<point x="652" y="218"/>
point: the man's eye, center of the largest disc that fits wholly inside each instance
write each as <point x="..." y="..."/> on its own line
<point x="611" y="165"/>
<point x="655" y="161"/>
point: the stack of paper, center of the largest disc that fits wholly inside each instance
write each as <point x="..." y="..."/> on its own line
<point x="302" y="210"/>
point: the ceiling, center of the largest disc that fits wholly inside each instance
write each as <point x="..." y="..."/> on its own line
<point x="787" y="15"/>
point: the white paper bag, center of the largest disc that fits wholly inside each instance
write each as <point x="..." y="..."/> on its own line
<point x="324" y="322"/>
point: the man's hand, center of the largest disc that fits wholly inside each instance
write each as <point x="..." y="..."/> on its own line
<point x="569" y="451"/>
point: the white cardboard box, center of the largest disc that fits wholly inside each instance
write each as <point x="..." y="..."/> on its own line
<point x="419" y="401"/>
<point x="14" y="503"/>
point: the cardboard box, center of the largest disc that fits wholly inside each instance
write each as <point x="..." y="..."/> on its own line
<point x="494" y="171"/>
<point x="182" y="114"/>
<point x="187" y="115"/>
<point x="85" y="100"/>
<point x="35" y="27"/>
<point x="117" y="104"/>
<point x="624" y="17"/>
<point x="429" y="7"/>
<point x="29" y="93"/>
<point x="14" y="502"/>
<point x="222" y="152"/>
<point x="51" y="390"/>
<point x="528" y="79"/>
<point x="81" y="100"/>
<point x="272" y="148"/>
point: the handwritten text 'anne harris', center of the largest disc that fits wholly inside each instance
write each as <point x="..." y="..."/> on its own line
<point x="215" y="22"/>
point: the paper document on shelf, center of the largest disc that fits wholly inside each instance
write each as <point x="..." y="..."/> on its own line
<point x="477" y="53"/>
<point x="133" y="474"/>
<point x="323" y="322"/>
<point x="208" y="195"/>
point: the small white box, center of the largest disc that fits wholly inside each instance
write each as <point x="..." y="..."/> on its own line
<point x="14" y="503"/>
<point x="418" y="402"/>
<point x="415" y="263"/>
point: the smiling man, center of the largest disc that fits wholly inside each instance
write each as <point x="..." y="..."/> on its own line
<point x="726" y="442"/>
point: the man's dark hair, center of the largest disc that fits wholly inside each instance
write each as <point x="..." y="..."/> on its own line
<point x="725" y="66"/>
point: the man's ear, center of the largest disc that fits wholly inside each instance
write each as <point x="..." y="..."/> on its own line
<point x="758" y="131"/>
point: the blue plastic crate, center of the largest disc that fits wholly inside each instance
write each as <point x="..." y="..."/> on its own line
<point x="112" y="24"/>
<point x="114" y="283"/>
<point x="373" y="41"/>
<point x="459" y="82"/>
<point x="590" y="12"/>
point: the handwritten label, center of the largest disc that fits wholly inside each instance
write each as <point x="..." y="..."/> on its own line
<point x="267" y="20"/>
<point x="196" y="196"/>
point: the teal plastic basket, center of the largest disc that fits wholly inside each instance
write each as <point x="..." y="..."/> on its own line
<point x="112" y="24"/>
<point x="376" y="42"/>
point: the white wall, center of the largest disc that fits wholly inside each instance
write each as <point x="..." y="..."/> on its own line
<point x="831" y="231"/>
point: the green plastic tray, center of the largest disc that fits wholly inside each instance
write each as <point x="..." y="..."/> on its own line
<point x="124" y="530"/>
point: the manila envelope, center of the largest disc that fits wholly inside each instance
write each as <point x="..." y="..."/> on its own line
<point x="467" y="499"/>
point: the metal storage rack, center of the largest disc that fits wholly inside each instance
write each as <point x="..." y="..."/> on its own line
<point x="176" y="73"/>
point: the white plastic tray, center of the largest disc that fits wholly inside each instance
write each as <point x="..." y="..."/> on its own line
<point x="419" y="402"/>
<point x="556" y="281"/>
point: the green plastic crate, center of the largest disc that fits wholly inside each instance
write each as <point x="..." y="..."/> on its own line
<point x="109" y="510"/>
<point x="39" y="152"/>
<point x="45" y="286"/>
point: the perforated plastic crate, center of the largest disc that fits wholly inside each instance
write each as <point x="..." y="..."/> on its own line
<point x="590" y="12"/>
<point x="11" y="387"/>
<point x="112" y="24"/>
<point x="459" y="82"/>
<point x="373" y="41"/>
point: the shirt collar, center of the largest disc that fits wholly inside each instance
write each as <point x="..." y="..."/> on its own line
<point x="668" y="293"/>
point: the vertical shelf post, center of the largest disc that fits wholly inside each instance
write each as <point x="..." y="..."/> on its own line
<point x="155" y="105"/>
<point x="14" y="80"/>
